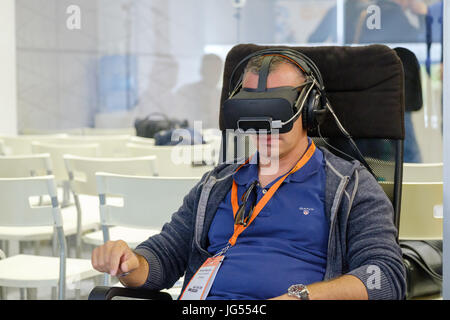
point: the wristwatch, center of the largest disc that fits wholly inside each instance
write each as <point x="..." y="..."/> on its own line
<point x="299" y="291"/>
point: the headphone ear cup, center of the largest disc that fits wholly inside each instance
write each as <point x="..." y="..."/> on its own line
<point x="309" y="120"/>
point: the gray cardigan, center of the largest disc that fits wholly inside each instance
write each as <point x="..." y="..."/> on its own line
<point x="362" y="238"/>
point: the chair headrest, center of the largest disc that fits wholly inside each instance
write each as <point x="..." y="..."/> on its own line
<point x="365" y="86"/>
<point x="413" y="84"/>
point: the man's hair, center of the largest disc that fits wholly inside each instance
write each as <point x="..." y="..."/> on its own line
<point x="255" y="64"/>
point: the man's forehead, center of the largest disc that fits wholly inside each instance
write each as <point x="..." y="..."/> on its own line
<point x="284" y="75"/>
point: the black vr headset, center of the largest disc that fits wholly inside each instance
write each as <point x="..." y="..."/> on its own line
<point x="263" y="110"/>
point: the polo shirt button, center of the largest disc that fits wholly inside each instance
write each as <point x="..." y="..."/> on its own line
<point x="264" y="191"/>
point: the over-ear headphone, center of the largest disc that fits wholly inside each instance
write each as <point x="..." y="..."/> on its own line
<point x="316" y="102"/>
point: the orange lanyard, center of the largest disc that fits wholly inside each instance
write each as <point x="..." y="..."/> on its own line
<point x="238" y="229"/>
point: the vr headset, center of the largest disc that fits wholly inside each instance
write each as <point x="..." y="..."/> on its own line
<point x="265" y="109"/>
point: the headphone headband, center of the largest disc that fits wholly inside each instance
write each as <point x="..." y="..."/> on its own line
<point x="303" y="62"/>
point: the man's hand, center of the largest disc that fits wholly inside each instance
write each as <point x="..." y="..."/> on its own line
<point x="115" y="258"/>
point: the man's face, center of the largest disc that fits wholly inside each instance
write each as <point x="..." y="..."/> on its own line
<point x="284" y="75"/>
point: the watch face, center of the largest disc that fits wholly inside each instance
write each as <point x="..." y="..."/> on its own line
<point x="299" y="290"/>
<point x="297" y="287"/>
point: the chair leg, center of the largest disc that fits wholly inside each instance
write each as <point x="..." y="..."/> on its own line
<point x="62" y="291"/>
<point x="37" y="248"/>
<point x="66" y="194"/>
<point x="31" y="293"/>
<point x="79" y="226"/>
<point x="78" y="294"/>
<point x="106" y="279"/>
<point x="13" y="248"/>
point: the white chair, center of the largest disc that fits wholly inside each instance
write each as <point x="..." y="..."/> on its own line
<point x="18" y="167"/>
<point x="30" y="271"/>
<point x="177" y="161"/>
<point x="25" y="165"/>
<point x="57" y="151"/>
<point x="141" y="140"/>
<point x="32" y="131"/>
<point x="36" y="165"/>
<point x="147" y="203"/>
<point x="109" y="145"/>
<point x="137" y="202"/>
<point x="423" y="172"/>
<point x="81" y="172"/>
<point x="421" y="216"/>
<point x="109" y="131"/>
<point x="421" y="211"/>
<point x="21" y="144"/>
<point x="2" y="148"/>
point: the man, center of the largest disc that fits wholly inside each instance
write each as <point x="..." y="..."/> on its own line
<point x="327" y="227"/>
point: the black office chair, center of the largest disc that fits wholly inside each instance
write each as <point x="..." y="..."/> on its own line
<point x="365" y="86"/>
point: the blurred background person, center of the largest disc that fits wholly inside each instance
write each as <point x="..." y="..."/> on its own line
<point x="200" y="100"/>
<point x="159" y="95"/>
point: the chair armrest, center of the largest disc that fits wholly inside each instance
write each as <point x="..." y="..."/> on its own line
<point x="107" y="293"/>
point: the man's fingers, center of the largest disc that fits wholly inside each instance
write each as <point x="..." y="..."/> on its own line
<point x="116" y="254"/>
<point x="130" y="262"/>
<point x="108" y="257"/>
<point x="94" y="259"/>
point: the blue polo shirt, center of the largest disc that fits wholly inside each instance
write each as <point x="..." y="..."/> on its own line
<point x="287" y="242"/>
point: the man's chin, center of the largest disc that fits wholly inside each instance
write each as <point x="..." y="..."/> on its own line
<point x="270" y="153"/>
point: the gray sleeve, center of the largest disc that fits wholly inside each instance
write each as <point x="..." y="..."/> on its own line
<point x="373" y="253"/>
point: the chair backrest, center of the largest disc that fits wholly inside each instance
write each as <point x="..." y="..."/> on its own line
<point x="109" y="131"/>
<point x="16" y="198"/>
<point x="2" y="148"/>
<point x="17" y="210"/>
<point x="148" y="202"/>
<point x="109" y="145"/>
<point x="423" y="172"/>
<point x="21" y="144"/>
<point x="57" y="151"/>
<point x="32" y="131"/>
<point x="25" y="166"/>
<point x="142" y="140"/>
<point x="177" y="161"/>
<point x="422" y="211"/>
<point x="82" y="170"/>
